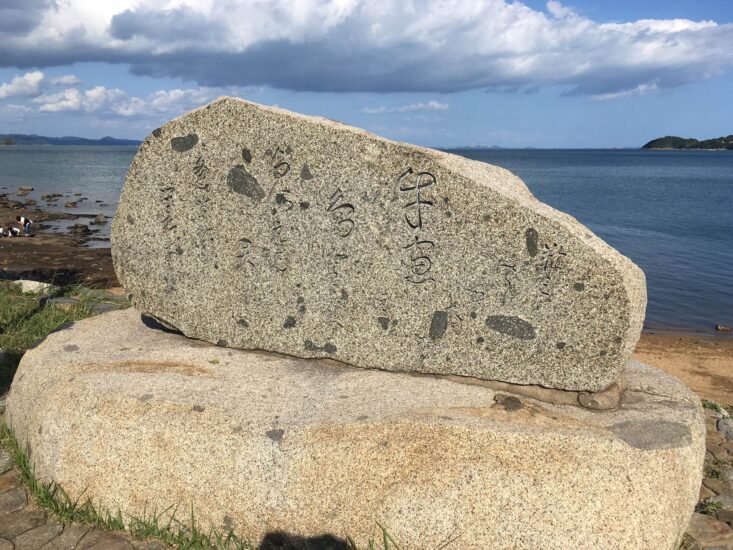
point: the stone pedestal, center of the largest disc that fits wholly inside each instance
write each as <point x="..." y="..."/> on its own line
<point x="141" y="419"/>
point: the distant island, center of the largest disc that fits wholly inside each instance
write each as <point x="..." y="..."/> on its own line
<point x="32" y="139"/>
<point x="674" y="142"/>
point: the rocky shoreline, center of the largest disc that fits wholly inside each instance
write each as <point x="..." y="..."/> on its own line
<point x="62" y="258"/>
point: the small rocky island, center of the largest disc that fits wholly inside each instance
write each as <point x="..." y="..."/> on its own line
<point x="674" y="142"/>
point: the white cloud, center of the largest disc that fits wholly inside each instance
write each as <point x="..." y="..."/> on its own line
<point x="66" y="80"/>
<point x="99" y="97"/>
<point x="431" y="105"/>
<point x="27" y="85"/>
<point x="641" y="89"/>
<point x="559" y="11"/>
<point x="381" y="46"/>
<point x="71" y="99"/>
<point x="66" y="100"/>
<point x="113" y="101"/>
<point x="14" y="112"/>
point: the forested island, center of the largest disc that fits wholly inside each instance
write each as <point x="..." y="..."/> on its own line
<point x="32" y="139"/>
<point x="674" y="142"/>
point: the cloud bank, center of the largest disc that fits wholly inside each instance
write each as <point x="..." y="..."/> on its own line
<point x="369" y="46"/>
<point x="39" y="90"/>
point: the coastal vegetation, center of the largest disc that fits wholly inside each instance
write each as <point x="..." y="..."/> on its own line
<point x="26" y="318"/>
<point x="674" y="142"/>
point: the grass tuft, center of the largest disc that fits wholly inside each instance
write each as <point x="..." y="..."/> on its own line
<point x="714" y="406"/>
<point x="709" y="508"/>
<point x="26" y="318"/>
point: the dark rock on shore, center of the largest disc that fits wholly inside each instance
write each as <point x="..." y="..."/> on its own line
<point x="80" y="229"/>
<point x="52" y="257"/>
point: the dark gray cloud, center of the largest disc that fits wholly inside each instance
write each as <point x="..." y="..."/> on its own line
<point x="18" y="17"/>
<point x="166" y="26"/>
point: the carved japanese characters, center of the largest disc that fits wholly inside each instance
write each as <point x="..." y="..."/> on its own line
<point x="257" y="228"/>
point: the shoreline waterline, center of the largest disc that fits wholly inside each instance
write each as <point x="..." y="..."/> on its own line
<point x="670" y="212"/>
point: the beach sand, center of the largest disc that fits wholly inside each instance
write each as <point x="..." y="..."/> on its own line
<point x="703" y="362"/>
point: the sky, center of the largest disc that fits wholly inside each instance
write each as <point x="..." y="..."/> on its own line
<point x="440" y="73"/>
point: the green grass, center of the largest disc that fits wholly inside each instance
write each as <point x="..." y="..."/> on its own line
<point x="163" y="526"/>
<point x="27" y="318"/>
<point x="710" y="508"/>
<point x="713" y="406"/>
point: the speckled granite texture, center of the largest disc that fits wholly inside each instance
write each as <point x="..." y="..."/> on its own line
<point x="139" y="419"/>
<point x="257" y="228"/>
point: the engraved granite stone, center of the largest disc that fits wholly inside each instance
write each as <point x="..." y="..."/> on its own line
<point x="269" y="230"/>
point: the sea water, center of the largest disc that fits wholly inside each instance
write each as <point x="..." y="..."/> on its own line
<point x="671" y="212"/>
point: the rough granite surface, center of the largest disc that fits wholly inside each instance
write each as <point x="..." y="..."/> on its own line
<point x="141" y="419"/>
<point x="257" y="228"/>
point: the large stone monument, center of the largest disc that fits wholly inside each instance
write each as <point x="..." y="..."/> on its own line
<point x="351" y="256"/>
<point x="257" y="228"/>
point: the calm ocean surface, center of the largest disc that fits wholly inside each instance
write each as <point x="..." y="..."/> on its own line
<point x="671" y="212"/>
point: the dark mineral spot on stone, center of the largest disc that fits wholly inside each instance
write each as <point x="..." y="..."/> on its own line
<point x="480" y="340"/>
<point x="198" y="408"/>
<point x="511" y="326"/>
<point x="71" y="347"/>
<point x="157" y="132"/>
<point x="280" y="198"/>
<point x="362" y="417"/>
<point x="603" y="353"/>
<point x="486" y="217"/>
<point x="618" y="340"/>
<point x="438" y="324"/>
<point x="383" y="322"/>
<point x="305" y="173"/>
<point x="185" y="143"/>
<point x="304" y="205"/>
<point x="508" y="402"/>
<point x="275" y="434"/>
<point x="242" y="323"/>
<point x="560" y="345"/>
<point x="344" y="294"/>
<point x="289" y="322"/>
<point x="241" y="181"/>
<point x="531" y="237"/>
<point x="653" y="434"/>
<point x="300" y="300"/>
<point x="146" y="397"/>
<point x="130" y="220"/>
<point x="327" y="347"/>
<point x="473" y="315"/>
<point x="301" y="309"/>
<point x="579" y="287"/>
<point x="246" y="155"/>
<point x="222" y="343"/>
